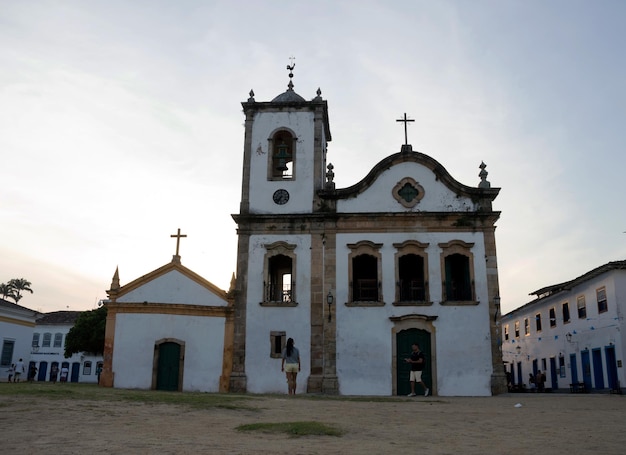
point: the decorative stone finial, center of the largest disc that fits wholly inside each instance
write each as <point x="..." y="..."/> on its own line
<point x="330" y="176"/>
<point x="251" y="99"/>
<point x="483" y="176"/>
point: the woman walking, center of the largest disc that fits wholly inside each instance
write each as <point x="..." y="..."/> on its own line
<point x="291" y="356"/>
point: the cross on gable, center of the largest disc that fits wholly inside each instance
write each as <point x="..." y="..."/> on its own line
<point x="405" y="120"/>
<point x="178" y="237"/>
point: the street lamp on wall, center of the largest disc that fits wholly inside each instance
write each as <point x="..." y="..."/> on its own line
<point x="568" y="337"/>
<point x="496" y="303"/>
<point x="329" y="301"/>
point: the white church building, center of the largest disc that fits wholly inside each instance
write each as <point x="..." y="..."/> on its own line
<point x="355" y="275"/>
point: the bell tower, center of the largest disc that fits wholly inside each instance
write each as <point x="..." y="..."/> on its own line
<point x="284" y="152"/>
<point x="280" y="226"/>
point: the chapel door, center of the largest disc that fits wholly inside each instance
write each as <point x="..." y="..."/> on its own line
<point x="168" y="366"/>
<point x="404" y="340"/>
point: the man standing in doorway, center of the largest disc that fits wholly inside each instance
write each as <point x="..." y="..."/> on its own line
<point x="417" y="361"/>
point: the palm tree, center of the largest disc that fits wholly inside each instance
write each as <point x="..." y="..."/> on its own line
<point x="6" y="291"/>
<point x="17" y="286"/>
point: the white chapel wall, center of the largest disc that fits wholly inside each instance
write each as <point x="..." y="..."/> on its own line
<point x="135" y="337"/>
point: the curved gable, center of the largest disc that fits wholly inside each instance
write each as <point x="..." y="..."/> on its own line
<point x="432" y="187"/>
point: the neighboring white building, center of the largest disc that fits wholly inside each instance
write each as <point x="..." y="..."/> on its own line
<point x="39" y="339"/>
<point x="572" y="332"/>
<point x="168" y="330"/>
<point x="16" y="332"/>
<point x="48" y="349"/>
<point x="356" y="275"/>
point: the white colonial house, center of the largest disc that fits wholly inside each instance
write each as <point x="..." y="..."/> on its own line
<point x="356" y="275"/>
<point x="16" y="332"/>
<point x="48" y="349"/>
<point x="572" y="332"/>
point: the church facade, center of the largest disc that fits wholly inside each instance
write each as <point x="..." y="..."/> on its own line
<point x="356" y="275"/>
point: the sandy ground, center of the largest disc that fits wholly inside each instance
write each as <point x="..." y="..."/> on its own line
<point x="545" y="423"/>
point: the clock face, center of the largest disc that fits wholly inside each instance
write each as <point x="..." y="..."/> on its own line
<point x="281" y="196"/>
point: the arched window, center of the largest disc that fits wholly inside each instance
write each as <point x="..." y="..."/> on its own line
<point x="282" y="156"/>
<point x="47" y="338"/>
<point x="280" y="273"/>
<point x="365" y="272"/>
<point x="411" y="273"/>
<point x="58" y="340"/>
<point x="87" y="368"/>
<point x="458" y="271"/>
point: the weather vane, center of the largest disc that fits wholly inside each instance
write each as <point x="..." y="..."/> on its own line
<point x="290" y="68"/>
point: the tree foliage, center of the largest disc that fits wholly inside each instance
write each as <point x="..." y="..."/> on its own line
<point x="14" y="288"/>
<point x="87" y="335"/>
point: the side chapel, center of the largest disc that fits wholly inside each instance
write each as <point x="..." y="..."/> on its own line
<point x="355" y="275"/>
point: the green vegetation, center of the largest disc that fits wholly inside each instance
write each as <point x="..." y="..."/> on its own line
<point x="293" y="428"/>
<point x="14" y="288"/>
<point x="92" y="392"/>
<point x="87" y="334"/>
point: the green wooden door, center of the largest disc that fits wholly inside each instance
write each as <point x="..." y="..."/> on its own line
<point x="168" y="368"/>
<point x="404" y="340"/>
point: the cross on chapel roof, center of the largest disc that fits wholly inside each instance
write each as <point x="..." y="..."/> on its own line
<point x="178" y="235"/>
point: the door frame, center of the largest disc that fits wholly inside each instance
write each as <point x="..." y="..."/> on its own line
<point x="155" y="361"/>
<point x="420" y="322"/>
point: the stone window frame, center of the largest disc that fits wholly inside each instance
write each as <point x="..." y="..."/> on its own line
<point x="272" y="149"/>
<point x="552" y="317"/>
<point x="36" y="339"/>
<point x="581" y="307"/>
<point x="46" y="340"/>
<point x="603" y="305"/>
<point x="416" y="248"/>
<point x="465" y="249"/>
<point x="506" y="332"/>
<point x="517" y="332"/>
<point x="275" y="337"/>
<point x="372" y="249"/>
<point x="567" y="315"/>
<point x="274" y="249"/>
<point x="526" y="327"/>
<point x="538" y="325"/>
<point x="58" y="340"/>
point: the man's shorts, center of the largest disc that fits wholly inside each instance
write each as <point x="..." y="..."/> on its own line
<point x="291" y="368"/>
<point x="416" y="376"/>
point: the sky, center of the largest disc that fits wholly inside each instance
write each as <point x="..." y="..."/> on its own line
<point x="121" y="122"/>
